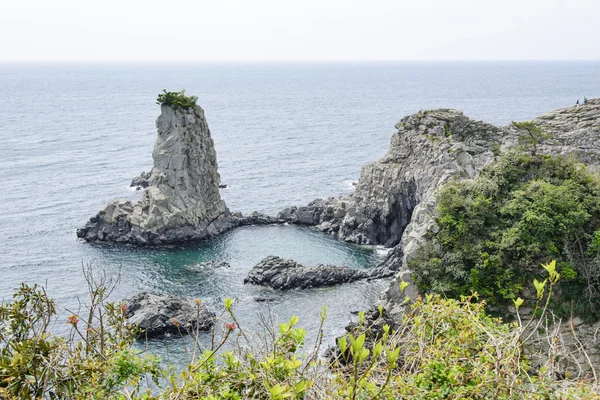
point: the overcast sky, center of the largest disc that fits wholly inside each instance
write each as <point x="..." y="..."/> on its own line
<point x="261" y="30"/>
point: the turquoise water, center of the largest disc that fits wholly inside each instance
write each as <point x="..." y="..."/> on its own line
<point x="178" y="271"/>
<point x="72" y="136"/>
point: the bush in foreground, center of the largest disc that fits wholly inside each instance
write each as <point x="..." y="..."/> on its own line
<point x="444" y="349"/>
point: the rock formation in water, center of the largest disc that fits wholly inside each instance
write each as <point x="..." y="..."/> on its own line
<point x="159" y="315"/>
<point x="142" y="181"/>
<point x="182" y="200"/>
<point x="278" y="273"/>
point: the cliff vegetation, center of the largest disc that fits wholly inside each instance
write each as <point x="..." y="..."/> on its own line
<point x="176" y="100"/>
<point x="522" y="211"/>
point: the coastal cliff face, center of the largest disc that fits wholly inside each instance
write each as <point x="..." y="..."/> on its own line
<point x="429" y="149"/>
<point x="576" y="132"/>
<point x="182" y="200"/>
<point x="395" y="199"/>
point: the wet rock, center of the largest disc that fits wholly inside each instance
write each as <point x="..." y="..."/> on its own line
<point x="278" y="273"/>
<point x="142" y="181"/>
<point x="160" y="315"/>
<point x="208" y="265"/>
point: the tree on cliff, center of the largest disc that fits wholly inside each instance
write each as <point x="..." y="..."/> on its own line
<point x="530" y="135"/>
<point x="177" y="100"/>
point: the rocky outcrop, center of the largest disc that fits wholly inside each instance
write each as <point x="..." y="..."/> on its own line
<point x="394" y="203"/>
<point x="430" y="148"/>
<point x="182" y="200"/>
<point x="576" y="131"/>
<point x="278" y="273"/>
<point x="159" y="315"/>
<point x="142" y="181"/>
<point x="255" y="218"/>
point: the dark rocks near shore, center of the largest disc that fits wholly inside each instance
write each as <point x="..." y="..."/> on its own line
<point x="255" y="218"/>
<point x="142" y="181"/>
<point x="278" y="273"/>
<point x="164" y="315"/>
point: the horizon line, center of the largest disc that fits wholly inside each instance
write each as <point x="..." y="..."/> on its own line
<point x="51" y="61"/>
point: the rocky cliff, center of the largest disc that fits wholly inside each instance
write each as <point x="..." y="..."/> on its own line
<point x="430" y="148"/>
<point x="394" y="203"/>
<point x="576" y="132"/>
<point x="182" y="200"/>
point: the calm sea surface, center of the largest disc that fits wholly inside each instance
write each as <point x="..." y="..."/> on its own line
<point x="72" y="136"/>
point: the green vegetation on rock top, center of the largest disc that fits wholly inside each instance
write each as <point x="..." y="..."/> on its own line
<point x="176" y="100"/>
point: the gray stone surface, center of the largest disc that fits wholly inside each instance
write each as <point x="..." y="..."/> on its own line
<point x="182" y="200"/>
<point x="278" y="273"/>
<point x="159" y="315"/>
<point x="567" y="347"/>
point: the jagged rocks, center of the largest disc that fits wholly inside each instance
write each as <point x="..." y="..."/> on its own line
<point x="430" y="148"/>
<point x="182" y="200"/>
<point x="278" y="273"/>
<point x="158" y="315"/>
<point x="142" y="181"/>
<point x="255" y="218"/>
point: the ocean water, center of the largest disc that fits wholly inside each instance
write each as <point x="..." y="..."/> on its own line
<point x="72" y="136"/>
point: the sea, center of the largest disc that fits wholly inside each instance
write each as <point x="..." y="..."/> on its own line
<point x="73" y="135"/>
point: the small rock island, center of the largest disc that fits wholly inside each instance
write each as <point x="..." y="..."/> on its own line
<point x="181" y="201"/>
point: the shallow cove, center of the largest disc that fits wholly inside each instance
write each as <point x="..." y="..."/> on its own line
<point x="178" y="271"/>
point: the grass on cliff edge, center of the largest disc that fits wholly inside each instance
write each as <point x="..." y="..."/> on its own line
<point x="177" y="100"/>
<point x="444" y="349"/>
<point x="522" y="211"/>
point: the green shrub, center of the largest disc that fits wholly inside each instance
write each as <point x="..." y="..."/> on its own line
<point x="176" y="100"/>
<point x="530" y="136"/>
<point x="94" y="361"/>
<point x="522" y="211"/>
<point x="443" y="349"/>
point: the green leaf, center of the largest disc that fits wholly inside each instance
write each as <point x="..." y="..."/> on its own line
<point x="228" y="303"/>
<point x="403" y="285"/>
<point x="342" y="344"/>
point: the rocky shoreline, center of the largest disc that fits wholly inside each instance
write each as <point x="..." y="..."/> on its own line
<point x="394" y="203"/>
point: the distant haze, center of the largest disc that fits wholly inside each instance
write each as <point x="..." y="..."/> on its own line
<point x="279" y="30"/>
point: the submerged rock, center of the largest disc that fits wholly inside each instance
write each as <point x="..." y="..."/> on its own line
<point x="277" y="273"/>
<point x="207" y="266"/>
<point x="182" y="200"/>
<point x="159" y="315"/>
<point x="214" y="264"/>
